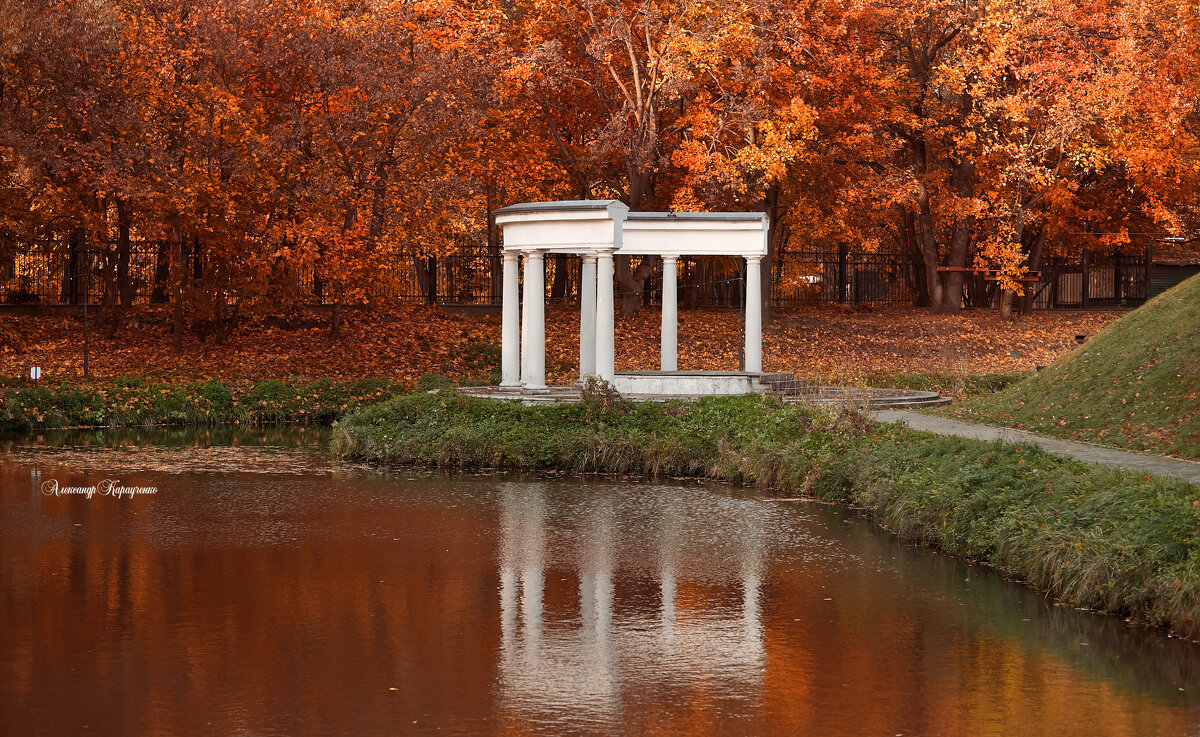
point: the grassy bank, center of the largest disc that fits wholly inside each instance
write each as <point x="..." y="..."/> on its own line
<point x="131" y="401"/>
<point x="128" y="401"/>
<point x="1135" y="385"/>
<point x="1098" y="538"/>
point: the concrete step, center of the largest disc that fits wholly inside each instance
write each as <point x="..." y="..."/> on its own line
<point x="776" y="378"/>
<point x="783" y="384"/>
<point x="788" y="390"/>
<point x="876" y="399"/>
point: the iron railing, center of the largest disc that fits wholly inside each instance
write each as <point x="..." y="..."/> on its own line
<point x="471" y="275"/>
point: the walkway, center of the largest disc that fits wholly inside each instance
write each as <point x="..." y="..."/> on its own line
<point x="1178" y="468"/>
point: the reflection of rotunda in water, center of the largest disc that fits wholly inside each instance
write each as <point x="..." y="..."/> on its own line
<point x="576" y="659"/>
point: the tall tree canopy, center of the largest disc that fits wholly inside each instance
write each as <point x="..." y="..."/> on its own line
<point x="338" y="137"/>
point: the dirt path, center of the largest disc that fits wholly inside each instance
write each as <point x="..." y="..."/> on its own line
<point x="1177" y="468"/>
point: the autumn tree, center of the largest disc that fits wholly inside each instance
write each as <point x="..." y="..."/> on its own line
<point x="297" y="151"/>
<point x="661" y="104"/>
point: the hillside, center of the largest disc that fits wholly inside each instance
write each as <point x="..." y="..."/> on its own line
<point x="1134" y="385"/>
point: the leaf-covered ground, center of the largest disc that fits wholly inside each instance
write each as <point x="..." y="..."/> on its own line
<point x="820" y="343"/>
<point x="1136" y="385"/>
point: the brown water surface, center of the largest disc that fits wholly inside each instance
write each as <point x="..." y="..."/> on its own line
<point x="264" y="590"/>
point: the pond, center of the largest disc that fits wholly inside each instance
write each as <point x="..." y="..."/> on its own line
<point x="264" y="589"/>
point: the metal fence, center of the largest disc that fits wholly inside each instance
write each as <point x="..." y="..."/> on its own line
<point x="1094" y="280"/>
<point x="1091" y="280"/>
<point x="48" y="276"/>
<point x="59" y="275"/>
<point x="471" y="275"/>
<point x="842" y="276"/>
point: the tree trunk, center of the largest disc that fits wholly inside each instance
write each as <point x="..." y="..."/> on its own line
<point x="197" y="260"/>
<point x="1006" y="295"/>
<point x="960" y="242"/>
<point x="631" y="282"/>
<point x="426" y="267"/>
<point x="118" y="288"/>
<point x="124" y="282"/>
<point x="162" y="273"/>
<point x="558" y="287"/>
<point x="774" y="233"/>
<point x="379" y="202"/>
<point x="225" y="325"/>
<point x="318" y="281"/>
<point x="495" y="255"/>
<point x="1035" y="264"/>
<point x="920" y="274"/>
<point x="1006" y="303"/>
<point x="177" y="269"/>
<point x="73" y="281"/>
<point x="927" y="242"/>
<point x="641" y="189"/>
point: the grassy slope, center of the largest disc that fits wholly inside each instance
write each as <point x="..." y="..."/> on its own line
<point x="1099" y="538"/>
<point x="1134" y="385"/>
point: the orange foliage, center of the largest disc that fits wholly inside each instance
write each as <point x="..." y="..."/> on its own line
<point x="336" y="139"/>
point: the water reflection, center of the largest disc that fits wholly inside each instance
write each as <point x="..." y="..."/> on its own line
<point x="349" y="601"/>
<point x="580" y="660"/>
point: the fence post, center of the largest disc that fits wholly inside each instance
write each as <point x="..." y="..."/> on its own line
<point x="1085" y="283"/>
<point x="1146" y="264"/>
<point x="1117" y="278"/>
<point x="1051" y="266"/>
<point x="431" y="264"/>
<point x="197" y="259"/>
<point x="76" y="264"/>
<point x="843" y="275"/>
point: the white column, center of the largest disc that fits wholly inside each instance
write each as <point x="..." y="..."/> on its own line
<point x="754" y="313"/>
<point x="587" y="318"/>
<point x="510" y="325"/>
<point x="669" y="341"/>
<point x="605" y="322"/>
<point x="533" y="327"/>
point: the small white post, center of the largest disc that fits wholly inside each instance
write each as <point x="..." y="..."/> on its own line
<point x="605" y="322"/>
<point x="754" y="314"/>
<point x="510" y="326"/>
<point x="669" y="342"/>
<point x="533" y="351"/>
<point x="587" y="318"/>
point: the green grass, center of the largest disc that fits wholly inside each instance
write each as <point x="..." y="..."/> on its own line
<point x="953" y="384"/>
<point x="1135" y="385"/>
<point x="1095" y="537"/>
<point x="128" y="401"/>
